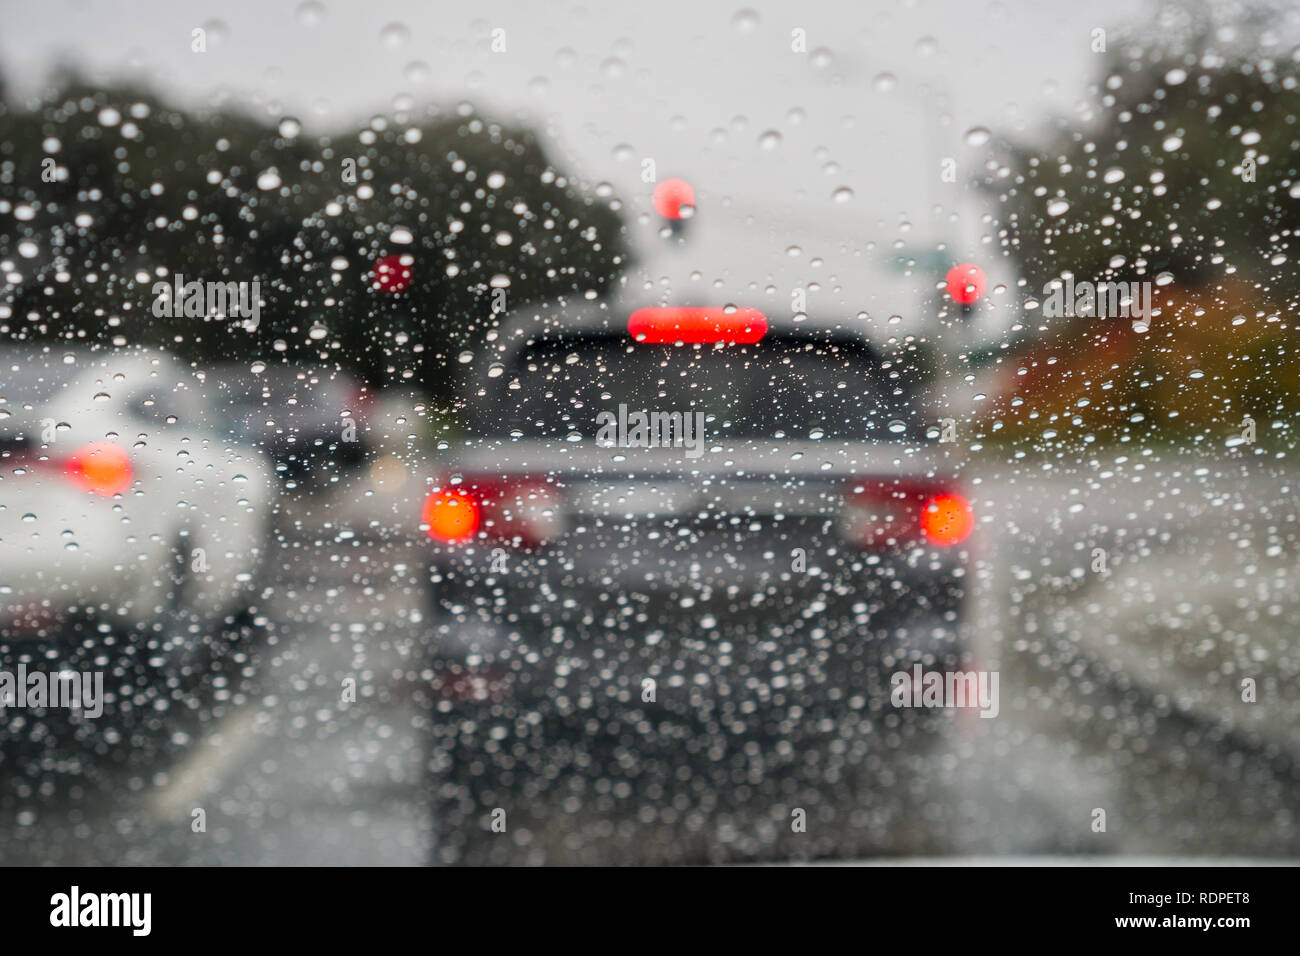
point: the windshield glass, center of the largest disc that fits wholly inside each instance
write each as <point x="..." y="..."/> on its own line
<point x="510" y="434"/>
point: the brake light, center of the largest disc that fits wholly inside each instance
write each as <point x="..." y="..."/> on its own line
<point x="880" y="514"/>
<point x="669" y="325"/>
<point x="101" y="467"/>
<point x="947" y="520"/>
<point x="451" y="515"/>
<point x="522" y="512"/>
<point x="965" y="283"/>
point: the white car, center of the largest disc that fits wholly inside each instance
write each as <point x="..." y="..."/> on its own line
<point x="119" y="503"/>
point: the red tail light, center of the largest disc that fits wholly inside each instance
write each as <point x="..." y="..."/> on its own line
<point x="666" y="326"/>
<point x="451" y="516"/>
<point x="101" y="467"/>
<point x="881" y="514"/>
<point x="947" y="520"/>
<point x="522" y="512"/>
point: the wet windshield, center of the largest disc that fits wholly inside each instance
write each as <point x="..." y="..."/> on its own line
<point x="649" y="434"/>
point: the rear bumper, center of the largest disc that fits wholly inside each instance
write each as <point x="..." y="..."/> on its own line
<point x="686" y="716"/>
<point x="69" y="555"/>
<point x="545" y="635"/>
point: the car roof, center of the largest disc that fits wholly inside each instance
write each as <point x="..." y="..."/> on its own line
<point x="577" y="316"/>
<point x="232" y="378"/>
<point x="133" y="364"/>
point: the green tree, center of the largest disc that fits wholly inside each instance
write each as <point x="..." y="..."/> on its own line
<point x="111" y="190"/>
<point x="1184" y="163"/>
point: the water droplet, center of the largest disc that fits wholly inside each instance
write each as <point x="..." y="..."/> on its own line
<point x="977" y="136"/>
<point x="217" y="32"/>
<point x="311" y="13"/>
<point x="745" y="21"/>
<point x="1172" y="143"/>
<point x="1058" y="207"/>
<point x="884" y="83"/>
<point x="1113" y="175"/>
<point x="842" y="195"/>
<point x="769" y="140"/>
<point x="1175" y="76"/>
<point x="897" y="427"/>
<point x="268" y="179"/>
<point x="394" y="35"/>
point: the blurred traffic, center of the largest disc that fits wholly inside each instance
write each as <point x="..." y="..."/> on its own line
<point x="834" y="465"/>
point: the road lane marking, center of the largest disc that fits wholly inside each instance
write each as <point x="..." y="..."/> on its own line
<point x="203" y="770"/>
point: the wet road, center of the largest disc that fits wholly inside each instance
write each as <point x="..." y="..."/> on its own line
<point x="1120" y="690"/>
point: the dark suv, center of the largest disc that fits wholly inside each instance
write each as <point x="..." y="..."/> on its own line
<point x="676" y="563"/>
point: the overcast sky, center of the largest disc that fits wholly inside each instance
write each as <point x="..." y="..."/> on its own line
<point x="861" y="118"/>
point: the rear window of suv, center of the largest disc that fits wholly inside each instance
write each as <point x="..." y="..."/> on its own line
<point x="797" y="387"/>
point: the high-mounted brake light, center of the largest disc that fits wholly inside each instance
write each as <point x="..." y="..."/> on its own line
<point x="668" y="325"/>
<point x="101" y="467"/>
<point x="965" y="283"/>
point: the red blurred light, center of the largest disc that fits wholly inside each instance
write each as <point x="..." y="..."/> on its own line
<point x="393" y="274"/>
<point x="451" y="515"/>
<point x="965" y="283"/>
<point x="102" y="467"/>
<point x="668" y="325"/>
<point x="947" y="520"/>
<point x="671" y="195"/>
<point x="519" y="510"/>
<point x="889" y="514"/>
